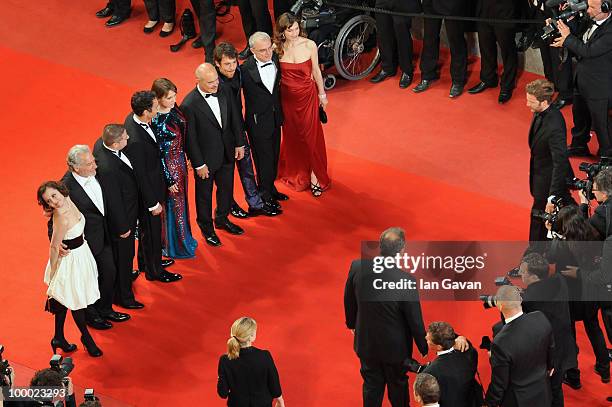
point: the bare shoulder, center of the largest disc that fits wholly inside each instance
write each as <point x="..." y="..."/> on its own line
<point x="310" y="44"/>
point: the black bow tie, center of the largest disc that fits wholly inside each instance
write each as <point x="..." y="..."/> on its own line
<point x="266" y="64"/>
<point x="207" y="95"/>
<point x="144" y="125"/>
<point x="118" y="153"/>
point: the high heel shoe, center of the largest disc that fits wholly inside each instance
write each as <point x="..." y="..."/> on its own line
<point x="316" y="189"/>
<point x="91" y="346"/>
<point x="63" y="345"/>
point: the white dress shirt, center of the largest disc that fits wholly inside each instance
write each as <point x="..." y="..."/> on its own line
<point x="213" y="102"/>
<point x="92" y="189"/>
<point x="267" y="73"/>
<point x="444" y="352"/>
<point x="596" y="24"/>
<point x="508" y="320"/>
<point x="146" y="127"/>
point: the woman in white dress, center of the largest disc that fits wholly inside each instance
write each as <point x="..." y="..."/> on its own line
<point x="73" y="278"/>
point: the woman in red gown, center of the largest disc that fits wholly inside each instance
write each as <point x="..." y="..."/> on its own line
<point x="303" y="159"/>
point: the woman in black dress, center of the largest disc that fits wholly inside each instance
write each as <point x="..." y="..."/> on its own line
<point x="247" y="375"/>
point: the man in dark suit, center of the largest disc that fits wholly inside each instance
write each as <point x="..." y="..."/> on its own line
<point x="522" y="355"/>
<point x="226" y="63"/>
<point x="116" y="172"/>
<point x="143" y="150"/>
<point x="592" y="46"/>
<point x="395" y="40"/>
<point x="455" y="32"/>
<point x="207" y="16"/>
<point x="117" y="10"/>
<point x="88" y="192"/>
<point x="489" y="35"/>
<point x="263" y="113"/>
<point x="384" y="323"/>
<point x="215" y="140"/>
<point x="255" y="17"/>
<point x="549" y="295"/>
<point x="549" y="167"/>
<point x="453" y="370"/>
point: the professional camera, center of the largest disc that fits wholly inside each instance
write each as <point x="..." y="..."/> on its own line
<point x="552" y="217"/>
<point x="591" y="170"/>
<point x="490" y="301"/>
<point x="89" y="395"/>
<point x="575" y="8"/>
<point x="62" y="365"/>
<point x="413" y="366"/>
<point x="5" y="369"/>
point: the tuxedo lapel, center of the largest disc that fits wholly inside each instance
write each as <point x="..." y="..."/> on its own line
<point x="204" y="108"/>
<point x="81" y="195"/>
<point x="145" y="134"/>
<point x="278" y="71"/>
<point x="223" y="108"/>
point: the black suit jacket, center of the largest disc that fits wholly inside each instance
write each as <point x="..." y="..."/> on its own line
<point x="499" y="9"/>
<point x="263" y="111"/>
<point x="521" y="355"/>
<point x="207" y="142"/>
<point x="145" y="155"/>
<point x="446" y="7"/>
<point x="385" y="323"/>
<point x="593" y="75"/>
<point x="455" y="372"/>
<point x="96" y="228"/>
<point x="550" y="296"/>
<point x="549" y="167"/>
<point x="598" y="219"/>
<point x="121" y="190"/>
<point x="251" y="380"/>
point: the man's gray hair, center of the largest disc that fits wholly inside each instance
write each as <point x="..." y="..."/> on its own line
<point x="74" y="155"/>
<point x="604" y="181"/>
<point x="259" y="35"/>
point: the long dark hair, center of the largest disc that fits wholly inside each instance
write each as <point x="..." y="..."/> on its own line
<point x="286" y="20"/>
<point x="49" y="184"/>
<point x="580" y="235"/>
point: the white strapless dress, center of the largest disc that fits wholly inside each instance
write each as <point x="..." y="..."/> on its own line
<point x="75" y="283"/>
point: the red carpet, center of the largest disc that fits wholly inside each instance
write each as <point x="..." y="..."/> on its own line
<point x="442" y="169"/>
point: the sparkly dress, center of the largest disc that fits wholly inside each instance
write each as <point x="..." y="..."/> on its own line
<point x="171" y="129"/>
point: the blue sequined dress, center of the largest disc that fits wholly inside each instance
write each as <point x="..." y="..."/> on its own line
<point x="171" y="129"/>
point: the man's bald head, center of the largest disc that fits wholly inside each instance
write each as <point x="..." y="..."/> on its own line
<point x="207" y="77"/>
<point x="392" y="241"/>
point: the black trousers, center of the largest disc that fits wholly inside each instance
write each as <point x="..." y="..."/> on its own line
<point x="395" y="42"/>
<point x="537" y="228"/>
<point x="431" y="49"/>
<point x="556" y="387"/>
<point x="281" y="7"/>
<point x="376" y="375"/>
<point x="255" y="17"/>
<point x="591" y="114"/>
<point x="121" y="8"/>
<point x="164" y="9"/>
<point x="150" y="243"/>
<point x="489" y="35"/>
<point x="107" y="274"/>
<point x="123" y="251"/>
<point x="557" y="70"/>
<point x="266" y="151"/>
<point x="223" y="178"/>
<point x="205" y="10"/>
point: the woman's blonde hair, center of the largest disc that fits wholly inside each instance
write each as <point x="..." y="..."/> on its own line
<point x="285" y="21"/>
<point x="242" y="329"/>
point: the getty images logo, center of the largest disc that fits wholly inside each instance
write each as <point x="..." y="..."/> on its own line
<point x="458" y="264"/>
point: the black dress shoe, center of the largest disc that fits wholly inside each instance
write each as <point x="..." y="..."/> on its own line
<point x="197" y="43"/>
<point x="105" y="12"/>
<point x="481" y="87"/>
<point x="504" y="96"/>
<point x="91" y="346"/>
<point x="115" y="20"/>
<point x="238" y="212"/>
<point x="561" y="103"/>
<point x="149" y="30"/>
<point x="456" y="90"/>
<point x="265" y="210"/>
<point x="212" y="239"/>
<point x="245" y="53"/>
<point x="381" y="76"/>
<point x="405" y="80"/>
<point x="273" y="203"/>
<point x="230" y="227"/>
<point x="117" y="316"/>
<point x="423" y="85"/>
<point x="167" y="277"/>
<point x="132" y="305"/>
<point x="99" y="323"/>
<point x="578" y="151"/>
<point x="163" y="33"/>
<point x="279" y="196"/>
<point x="63" y="345"/>
<point x="135" y="274"/>
<point x="605" y="376"/>
<point x="167" y="262"/>
<point x="573" y="383"/>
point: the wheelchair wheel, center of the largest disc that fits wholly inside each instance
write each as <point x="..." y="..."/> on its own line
<point x="355" y="51"/>
<point x="329" y="81"/>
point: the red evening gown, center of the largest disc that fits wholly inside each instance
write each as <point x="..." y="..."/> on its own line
<point x="303" y="145"/>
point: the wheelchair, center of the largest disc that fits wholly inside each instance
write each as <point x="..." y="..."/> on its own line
<point x="346" y="39"/>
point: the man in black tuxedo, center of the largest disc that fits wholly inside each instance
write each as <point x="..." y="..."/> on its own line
<point x="489" y="35"/>
<point x="384" y="324"/>
<point x="453" y="370"/>
<point x="592" y="46"/>
<point x="116" y="173"/>
<point x="117" y="10"/>
<point x="263" y="113"/>
<point x="550" y="296"/>
<point x="88" y="193"/>
<point x="522" y="355"/>
<point x="215" y="140"/>
<point x="395" y="40"/>
<point x="549" y="167"/>
<point x="455" y="32"/>
<point x="143" y="150"/>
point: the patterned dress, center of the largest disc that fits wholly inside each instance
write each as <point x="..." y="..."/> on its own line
<point x="171" y="129"/>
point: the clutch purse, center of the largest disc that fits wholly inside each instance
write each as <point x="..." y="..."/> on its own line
<point x="322" y="115"/>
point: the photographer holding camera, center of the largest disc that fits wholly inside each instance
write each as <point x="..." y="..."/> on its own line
<point x="592" y="46"/>
<point x="601" y="192"/>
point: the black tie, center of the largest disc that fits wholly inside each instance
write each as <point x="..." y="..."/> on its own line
<point x="119" y="153"/>
<point x="207" y="95"/>
<point x="266" y="64"/>
<point x="144" y="125"/>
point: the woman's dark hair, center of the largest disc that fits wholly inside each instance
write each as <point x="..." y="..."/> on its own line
<point x="580" y="235"/>
<point x="162" y="86"/>
<point x="285" y="21"/>
<point x="50" y="184"/>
